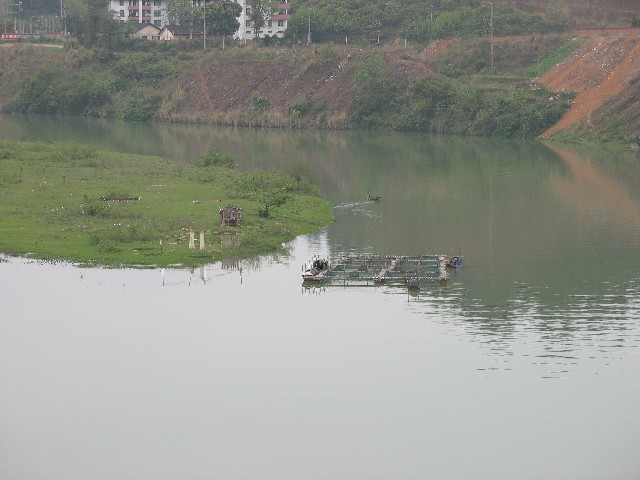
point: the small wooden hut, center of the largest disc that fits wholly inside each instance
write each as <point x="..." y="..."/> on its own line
<point x="230" y="216"/>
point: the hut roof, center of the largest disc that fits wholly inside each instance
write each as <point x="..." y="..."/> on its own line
<point x="230" y="208"/>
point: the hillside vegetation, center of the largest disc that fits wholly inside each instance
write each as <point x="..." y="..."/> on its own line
<point x="327" y="86"/>
<point x="456" y="67"/>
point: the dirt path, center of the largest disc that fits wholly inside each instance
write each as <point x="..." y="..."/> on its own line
<point x="597" y="72"/>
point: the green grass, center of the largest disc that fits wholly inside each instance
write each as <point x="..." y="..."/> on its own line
<point x="51" y="208"/>
<point x="555" y="57"/>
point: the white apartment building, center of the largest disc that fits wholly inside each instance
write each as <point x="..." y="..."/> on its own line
<point x="140" y="11"/>
<point x="276" y="25"/>
<point x="155" y="12"/>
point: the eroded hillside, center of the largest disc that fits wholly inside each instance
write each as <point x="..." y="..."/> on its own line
<point x="602" y="72"/>
<point x="221" y="88"/>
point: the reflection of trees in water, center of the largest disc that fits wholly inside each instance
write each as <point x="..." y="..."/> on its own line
<point x="555" y="330"/>
<point x="254" y="264"/>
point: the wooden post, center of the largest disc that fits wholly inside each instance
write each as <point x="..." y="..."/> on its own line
<point x="201" y="239"/>
<point x="192" y="242"/>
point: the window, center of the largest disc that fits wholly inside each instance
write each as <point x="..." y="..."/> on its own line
<point x="247" y="23"/>
<point x="122" y="3"/>
<point x="270" y="23"/>
<point x="157" y="24"/>
<point x="157" y="13"/>
<point x="122" y="13"/>
<point x="157" y="3"/>
<point x="281" y="23"/>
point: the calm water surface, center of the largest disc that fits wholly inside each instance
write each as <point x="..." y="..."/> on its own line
<point x="525" y="366"/>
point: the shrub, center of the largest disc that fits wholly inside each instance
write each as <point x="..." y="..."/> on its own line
<point x="108" y="246"/>
<point x="138" y="106"/>
<point x="260" y="103"/>
<point x="73" y="151"/>
<point x="95" y="208"/>
<point x="374" y="93"/>
<point x="299" y="108"/>
<point x="216" y="158"/>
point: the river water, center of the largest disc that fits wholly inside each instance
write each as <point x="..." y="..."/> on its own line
<point x="526" y="365"/>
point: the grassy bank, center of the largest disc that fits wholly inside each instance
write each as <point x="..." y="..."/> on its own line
<point x="51" y="207"/>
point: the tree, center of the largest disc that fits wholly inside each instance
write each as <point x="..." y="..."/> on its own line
<point x="180" y="11"/>
<point x="260" y="12"/>
<point x="374" y="92"/>
<point x="98" y="15"/>
<point x="94" y="24"/>
<point x="272" y="198"/>
<point x="222" y="18"/>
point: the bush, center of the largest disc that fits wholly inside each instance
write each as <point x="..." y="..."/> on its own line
<point x="138" y="106"/>
<point x="54" y="91"/>
<point x="95" y="208"/>
<point x="108" y="246"/>
<point x="374" y="93"/>
<point x="299" y="108"/>
<point x="216" y="158"/>
<point x="73" y="151"/>
<point x="260" y="103"/>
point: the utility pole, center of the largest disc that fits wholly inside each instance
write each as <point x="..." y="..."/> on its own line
<point x="204" y="20"/>
<point x="63" y="17"/>
<point x="491" y="35"/>
<point x="309" y="34"/>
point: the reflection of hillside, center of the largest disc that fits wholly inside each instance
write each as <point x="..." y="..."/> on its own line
<point x="595" y="195"/>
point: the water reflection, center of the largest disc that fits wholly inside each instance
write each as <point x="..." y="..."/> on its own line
<point x="604" y="201"/>
<point x="237" y="368"/>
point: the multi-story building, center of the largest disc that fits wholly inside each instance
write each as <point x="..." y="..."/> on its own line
<point x="140" y="11"/>
<point x="275" y="25"/>
<point x="155" y="12"/>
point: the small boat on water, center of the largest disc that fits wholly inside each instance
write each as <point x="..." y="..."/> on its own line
<point x="317" y="271"/>
<point x="454" y="262"/>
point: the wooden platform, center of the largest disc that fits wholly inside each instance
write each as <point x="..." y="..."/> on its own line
<point x="362" y="270"/>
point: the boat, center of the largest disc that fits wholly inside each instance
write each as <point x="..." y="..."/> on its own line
<point x="317" y="271"/>
<point x="454" y="262"/>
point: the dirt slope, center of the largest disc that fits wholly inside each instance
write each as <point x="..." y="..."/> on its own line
<point x="600" y="70"/>
<point x="218" y="88"/>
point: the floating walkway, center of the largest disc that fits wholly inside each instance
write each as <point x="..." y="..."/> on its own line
<point x="363" y="270"/>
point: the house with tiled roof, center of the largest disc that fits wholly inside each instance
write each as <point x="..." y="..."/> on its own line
<point x="147" y="31"/>
<point x="180" y="32"/>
